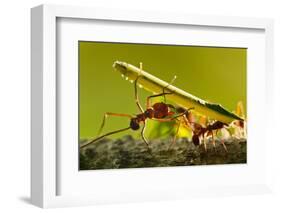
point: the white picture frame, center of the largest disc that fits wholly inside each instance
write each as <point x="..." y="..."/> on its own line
<point x="45" y="165"/>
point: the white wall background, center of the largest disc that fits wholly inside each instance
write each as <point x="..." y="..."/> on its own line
<point x="15" y="103"/>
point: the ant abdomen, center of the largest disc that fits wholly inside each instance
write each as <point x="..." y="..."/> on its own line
<point x="161" y="110"/>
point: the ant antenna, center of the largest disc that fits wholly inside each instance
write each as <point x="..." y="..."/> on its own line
<point x="107" y="134"/>
<point x="140" y="68"/>
<point x="191" y="108"/>
<point x="172" y="81"/>
<point x="136" y="92"/>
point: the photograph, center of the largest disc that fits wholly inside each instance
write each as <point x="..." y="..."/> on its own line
<point x="146" y="105"/>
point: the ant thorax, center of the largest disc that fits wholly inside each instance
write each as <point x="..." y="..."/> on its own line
<point x="149" y="113"/>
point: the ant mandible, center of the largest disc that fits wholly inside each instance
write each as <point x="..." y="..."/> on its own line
<point x="159" y="111"/>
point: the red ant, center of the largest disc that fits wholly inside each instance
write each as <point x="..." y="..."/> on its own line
<point x="159" y="111"/>
<point x="199" y="130"/>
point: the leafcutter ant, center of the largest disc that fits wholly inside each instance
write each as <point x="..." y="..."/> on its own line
<point x="200" y="131"/>
<point x="160" y="111"/>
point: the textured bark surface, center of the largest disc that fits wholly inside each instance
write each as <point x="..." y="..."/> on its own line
<point x="129" y="153"/>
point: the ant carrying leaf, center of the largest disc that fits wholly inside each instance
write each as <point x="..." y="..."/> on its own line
<point x="159" y="111"/>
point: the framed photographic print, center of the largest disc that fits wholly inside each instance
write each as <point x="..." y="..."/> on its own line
<point x="151" y="106"/>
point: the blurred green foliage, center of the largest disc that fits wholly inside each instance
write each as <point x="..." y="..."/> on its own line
<point x="212" y="73"/>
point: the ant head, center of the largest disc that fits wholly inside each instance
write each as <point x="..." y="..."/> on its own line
<point x="195" y="140"/>
<point x="180" y="110"/>
<point x="134" y="124"/>
<point x="183" y="110"/>
<point x="239" y="123"/>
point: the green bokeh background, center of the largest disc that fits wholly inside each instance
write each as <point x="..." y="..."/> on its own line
<point x="212" y="73"/>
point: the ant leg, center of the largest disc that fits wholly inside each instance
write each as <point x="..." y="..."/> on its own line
<point x="161" y="94"/>
<point x="136" y="95"/>
<point x="165" y="119"/>
<point x="172" y="81"/>
<point x="142" y="133"/>
<point x="143" y="137"/>
<point x="222" y="142"/>
<point x="162" y="119"/>
<point x="224" y="146"/>
<point x="175" y="136"/>
<point x="100" y="137"/>
<point x="111" y="114"/>
<point x="187" y="122"/>
<point x="204" y="142"/>
<point x="154" y="96"/>
<point x="169" y="119"/>
<point x="213" y="140"/>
